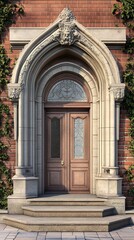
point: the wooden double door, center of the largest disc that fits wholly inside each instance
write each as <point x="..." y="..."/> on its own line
<point x="67" y="147"/>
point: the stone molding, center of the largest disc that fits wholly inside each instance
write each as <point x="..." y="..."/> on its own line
<point x="19" y="36"/>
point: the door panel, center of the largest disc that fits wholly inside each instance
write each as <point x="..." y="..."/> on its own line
<point x="67" y="152"/>
<point x="55" y="152"/>
<point x="79" y="157"/>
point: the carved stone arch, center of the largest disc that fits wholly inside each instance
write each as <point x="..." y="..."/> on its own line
<point x="93" y="92"/>
<point x="96" y="65"/>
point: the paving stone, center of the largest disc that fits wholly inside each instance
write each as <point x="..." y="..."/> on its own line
<point x="2" y="226"/>
<point x="68" y="238"/>
<point x="26" y="238"/>
<point x="115" y="235"/>
<point x="105" y="238"/>
<point x="53" y="238"/>
<point x="41" y="238"/>
<point x="10" y="229"/>
<point x="104" y="234"/>
<point x="27" y="234"/>
<point x="91" y="238"/>
<point x="127" y="238"/>
<point x="13" y="234"/>
<point x="42" y="233"/>
<point x="10" y="237"/>
<point x="3" y="234"/>
<point x="91" y="234"/>
<point x="54" y="234"/>
<point x="125" y="229"/>
<point x="79" y="238"/>
<point x="3" y="238"/>
<point x="78" y="234"/>
<point x="67" y="233"/>
<point x="126" y="235"/>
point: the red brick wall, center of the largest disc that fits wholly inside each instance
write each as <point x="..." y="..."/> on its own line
<point x="93" y="13"/>
<point x="90" y="13"/>
<point x="125" y="158"/>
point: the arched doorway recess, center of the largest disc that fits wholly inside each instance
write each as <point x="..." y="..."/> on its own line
<point x="66" y="47"/>
<point x="67" y="127"/>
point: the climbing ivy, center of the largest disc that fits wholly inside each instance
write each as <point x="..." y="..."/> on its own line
<point x="124" y="10"/>
<point x="9" y="11"/>
<point x="5" y="184"/>
<point x="129" y="174"/>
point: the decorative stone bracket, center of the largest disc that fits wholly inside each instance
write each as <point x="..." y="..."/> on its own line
<point x="14" y="90"/>
<point x="118" y="91"/>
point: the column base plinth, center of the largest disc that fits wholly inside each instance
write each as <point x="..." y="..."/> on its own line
<point x="111" y="188"/>
<point x="108" y="186"/>
<point x="23" y="188"/>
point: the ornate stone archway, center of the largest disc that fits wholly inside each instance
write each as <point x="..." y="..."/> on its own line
<point x="66" y="46"/>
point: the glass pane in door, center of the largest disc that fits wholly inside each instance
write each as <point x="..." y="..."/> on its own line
<point x="78" y="138"/>
<point x="55" y="138"/>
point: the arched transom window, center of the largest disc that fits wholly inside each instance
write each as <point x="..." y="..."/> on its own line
<point x="67" y="91"/>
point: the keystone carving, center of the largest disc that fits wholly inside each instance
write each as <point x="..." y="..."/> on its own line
<point x="67" y="33"/>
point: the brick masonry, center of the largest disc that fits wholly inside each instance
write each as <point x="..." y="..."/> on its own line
<point x="90" y="13"/>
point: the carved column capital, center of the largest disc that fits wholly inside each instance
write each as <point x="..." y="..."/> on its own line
<point x="118" y="91"/>
<point x="14" y="90"/>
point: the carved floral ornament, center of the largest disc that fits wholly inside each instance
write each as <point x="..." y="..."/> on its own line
<point x="14" y="91"/>
<point x="118" y="92"/>
<point x="68" y="32"/>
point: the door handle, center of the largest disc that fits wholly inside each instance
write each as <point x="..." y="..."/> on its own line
<point x="62" y="162"/>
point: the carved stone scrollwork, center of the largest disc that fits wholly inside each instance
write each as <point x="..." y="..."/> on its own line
<point x="118" y="92"/>
<point x="67" y="33"/>
<point x="14" y="91"/>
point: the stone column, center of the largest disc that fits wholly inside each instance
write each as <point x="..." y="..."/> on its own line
<point x="109" y="184"/>
<point x="25" y="185"/>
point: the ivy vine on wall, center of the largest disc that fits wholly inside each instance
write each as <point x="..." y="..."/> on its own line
<point x="9" y="11"/>
<point x="124" y="10"/>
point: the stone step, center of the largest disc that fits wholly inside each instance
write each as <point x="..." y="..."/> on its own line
<point x="68" y="211"/>
<point x="68" y="199"/>
<point x="29" y="223"/>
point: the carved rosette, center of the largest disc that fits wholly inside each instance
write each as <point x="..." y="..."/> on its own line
<point x="67" y="33"/>
<point x="118" y="92"/>
<point x="14" y="91"/>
